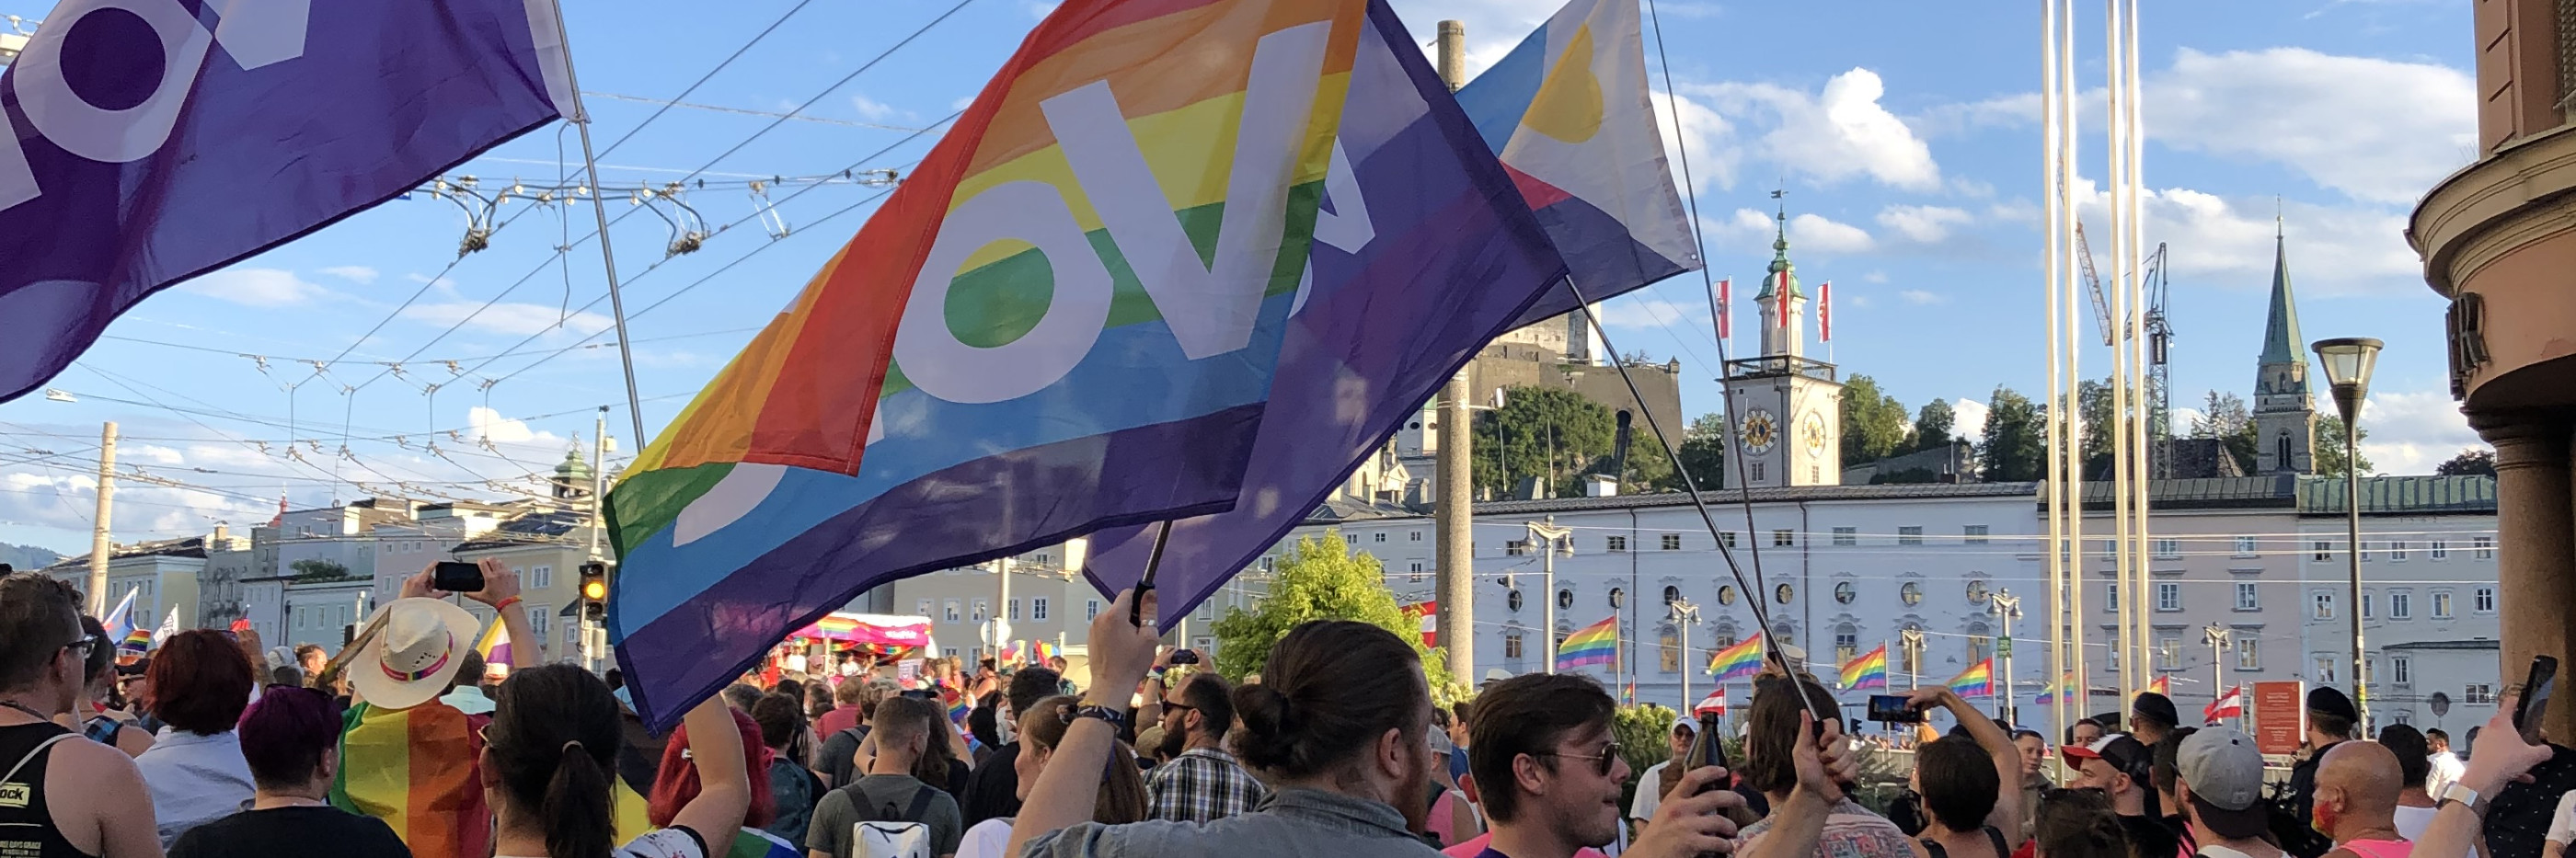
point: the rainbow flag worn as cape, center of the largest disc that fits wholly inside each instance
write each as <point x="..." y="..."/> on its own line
<point x="415" y="769"/>
<point x="1976" y="681"/>
<point x="1069" y="316"/>
<point x="1597" y="643"/>
<point x="2065" y="685"/>
<point x="1867" y="671"/>
<point x="1740" y="661"/>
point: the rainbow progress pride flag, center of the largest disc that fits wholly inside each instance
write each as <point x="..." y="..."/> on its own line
<point x="1741" y="661"/>
<point x="1069" y="317"/>
<point x="1976" y="681"/>
<point x="1867" y="671"/>
<point x="1597" y="643"/>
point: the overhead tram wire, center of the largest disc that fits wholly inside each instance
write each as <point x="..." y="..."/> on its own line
<point x="739" y="111"/>
<point x="702" y="79"/>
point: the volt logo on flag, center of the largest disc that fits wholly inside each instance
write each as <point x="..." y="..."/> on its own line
<point x="151" y="141"/>
<point x="1068" y="318"/>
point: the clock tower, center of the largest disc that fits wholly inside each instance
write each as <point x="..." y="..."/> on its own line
<point x="1787" y="409"/>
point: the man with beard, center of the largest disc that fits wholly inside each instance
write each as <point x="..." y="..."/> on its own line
<point x="1202" y="782"/>
<point x="1547" y="770"/>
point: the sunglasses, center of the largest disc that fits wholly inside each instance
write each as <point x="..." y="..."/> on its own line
<point x="1601" y="761"/>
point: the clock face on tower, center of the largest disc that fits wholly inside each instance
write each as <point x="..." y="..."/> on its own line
<point x="1811" y="432"/>
<point x="1760" y="431"/>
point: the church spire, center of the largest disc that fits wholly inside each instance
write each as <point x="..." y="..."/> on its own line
<point x="2281" y="344"/>
<point x="2285" y="418"/>
<point x="1784" y="274"/>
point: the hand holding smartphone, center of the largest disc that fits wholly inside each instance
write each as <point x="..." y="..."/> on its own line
<point x="2537" y="688"/>
<point x="451" y="576"/>
<point x="1893" y="709"/>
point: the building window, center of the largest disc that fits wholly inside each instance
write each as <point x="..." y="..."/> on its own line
<point x="921" y="608"/>
<point x="2245" y="546"/>
<point x="2365" y="551"/>
<point x="2482" y="547"/>
<point x="2111" y="598"/>
<point x="1783" y="593"/>
<point x="538" y="617"/>
<point x="2401" y="605"/>
<point x="2326" y="670"/>
<point x="2321" y="605"/>
<point x="2397" y="551"/>
<point x="1565" y="598"/>
<point x="1727" y="537"/>
<point x="1350" y="539"/>
<point x="1515" y="547"/>
<point x="1783" y="538"/>
<point x="1980" y="646"/>
<point x="1846" y="643"/>
<point x="1512" y="642"/>
<point x="1844" y="592"/>
<point x="1975" y="534"/>
<point x="1038" y="608"/>
<point x="2168" y="652"/>
<point x="1976" y="591"/>
<point x="949" y="610"/>
<point x="1668" y="651"/>
<point x="1911" y="594"/>
<point x="1673" y="541"/>
<point x="1512" y="599"/>
<point x="2399" y="671"/>
<point x="982" y="609"/>
<point x="1618" y="543"/>
<point x="1090" y="610"/>
<point x="2324" y="552"/>
<point x="2483" y="600"/>
<point x="1911" y="534"/>
<point x="2477" y="694"/>
<point x="1267" y="564"/>
<point x="2168" y="596"/>
<point x="1414" y="569"/>
<point x="2367" y="598"/>
<point x="1618" y="598"/>
<point x="1013" y="607"/>
<point x="2441" y="604"/>
<point x="2249" y="596"/>
<point x="1726" y="595"/>
<point x="1413" y="536"/>
<point x="2441" y="550"/>
<point x="2249" y="652"/>
<point x="541" y="577"/>
<point x="1379" y="536"/>
<point x="1846" y="536"/>
<point x="1756" y="468"/>
<point x="2166" y="547"/>
<point x="1672" y="594"/>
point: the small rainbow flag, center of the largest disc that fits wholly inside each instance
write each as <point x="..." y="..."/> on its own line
<point x="494" y="647"/>
<point x="2065" y="685"/>
<point x="1867" y="671"/>
<point x="1597" y="643"/>
<point x="1976" y="681"/>
<point x="1740" y="661"/>
<point x="2161" y="685"/>
<point x="1043" y="653"/>
<point x="136" y="640"/>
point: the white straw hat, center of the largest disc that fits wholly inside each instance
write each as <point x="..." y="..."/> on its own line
<point x="421" y="645"/>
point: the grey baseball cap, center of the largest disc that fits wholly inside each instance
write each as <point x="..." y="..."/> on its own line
<point x="2222" y="768"/>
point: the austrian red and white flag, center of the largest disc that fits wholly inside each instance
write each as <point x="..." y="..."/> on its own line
<point x="2228" y="705"/>
<point x="1713" y="704"/>
<point x="1724" y="299"/>
<point x="1430" y="621"/>
<point x="1825" y="311"/>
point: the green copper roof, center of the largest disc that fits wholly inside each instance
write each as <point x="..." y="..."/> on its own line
<point x="2281" y="342"/>
<point x="1780" y="264"/>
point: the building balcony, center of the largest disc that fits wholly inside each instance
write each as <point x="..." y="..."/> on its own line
<point x="2497" y="242"/>
<point x="1772" y="366"/>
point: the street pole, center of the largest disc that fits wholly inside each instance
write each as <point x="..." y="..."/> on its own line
<point x="99" y="545"/>
<point x="2008" y="606"/>
<point x="1683" y="614"/>
<point x="1455" y="510"/>
<point x="1546" y="536"/>
<point x="2216" y="635"/>
<point x="1001" y="609"/>
<point x="593" y="635"/>
<point x="2352" y="537"/>
<point x="1912" y="639"/>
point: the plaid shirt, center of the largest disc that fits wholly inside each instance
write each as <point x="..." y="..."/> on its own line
<point x="1201" y="785"/>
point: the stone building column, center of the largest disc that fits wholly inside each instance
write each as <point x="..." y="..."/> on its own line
<point x="2535" y="545"/>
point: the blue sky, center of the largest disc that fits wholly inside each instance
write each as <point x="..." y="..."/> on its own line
<point x="1905" y="133"/>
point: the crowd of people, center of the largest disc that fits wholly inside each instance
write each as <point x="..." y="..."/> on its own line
<point x="405" y="744"/>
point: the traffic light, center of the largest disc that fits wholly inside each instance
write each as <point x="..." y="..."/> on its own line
<point x="594" y="591"/>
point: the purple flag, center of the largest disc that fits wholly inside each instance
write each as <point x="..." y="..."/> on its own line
<point x="1436" y="255"/>
<point x="151" y="141"/>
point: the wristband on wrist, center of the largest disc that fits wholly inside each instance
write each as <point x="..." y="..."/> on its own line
<point x="505" y="604"/>
<point x="1114" y="718"/>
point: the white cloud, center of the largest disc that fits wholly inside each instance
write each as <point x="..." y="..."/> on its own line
<point x="1711" y="152"/>
<point x="358" y="274"/>
<point x="2411" y="431"/>
<point x="1643" y="309"/>
<point x="1874" y="277"/>
<point x="507" y="318"/>
<point x="872" y="109"/>
<point x="2000" y="111"/>
<point x="1750" y="231"/>
<point x="1920" y="297"/>
<point x="1839" y="133"/>
<point x="489" y="423"/>
<point x="1923" y="224"/>
<point x="1817" y="232"/>
<point x="2332" y="250"/>
<point x="256" y="287"/>
<point x="2295" y="107"/>
<point x="1970" y="419"/>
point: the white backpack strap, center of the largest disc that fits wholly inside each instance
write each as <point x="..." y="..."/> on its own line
<point x="31" y="754"/>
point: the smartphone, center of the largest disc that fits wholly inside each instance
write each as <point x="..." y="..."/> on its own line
<point x="2536" y="690"/>
<point x="1893" y="709"/>
<point x="1185" y="656"/>
<point x="451" y="576"/>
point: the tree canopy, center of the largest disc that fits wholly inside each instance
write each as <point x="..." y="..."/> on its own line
<point x="2016" y="440"/>
<point x="1875" y="425"/>
<point x="1703" y="453"/>
<point x="1558" y="435"/>
<point x="1323" y="579"/>
<point x="2329" y="453"/>
<point x="1934" y="424"/>
<point x="2470" y="462"/>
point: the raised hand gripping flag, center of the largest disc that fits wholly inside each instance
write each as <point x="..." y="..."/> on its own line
<point x="1597" y="643"/>
<point x="1869" y="670"/>
<point x="1976" y="681"/>
<point x="197" y="134"/>
<point x="1428" y="254"/>
<point x="1569" y="113"/>
<point x="1741" y="661"/>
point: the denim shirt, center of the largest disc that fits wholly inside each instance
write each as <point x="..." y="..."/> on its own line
<point x="1290" y="823"/>
<point x="195" y="779"/>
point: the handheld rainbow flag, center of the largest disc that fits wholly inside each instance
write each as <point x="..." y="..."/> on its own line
<point x="1044" y="653"/>
<point x="1867" y="671"/>
<point x="1053" y="328"/>
<point x="494" y="645"/>
<point x="1597" y="643"/>
<point x="2161" y="685"/>
<point x="2065" y="684"/>
<point x="1741" y="661"/>
<point x="1976" y="681"/>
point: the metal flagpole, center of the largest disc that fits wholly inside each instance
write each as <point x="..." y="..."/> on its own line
<point x="607" y="254"/>
<point x="2055" y="560"/>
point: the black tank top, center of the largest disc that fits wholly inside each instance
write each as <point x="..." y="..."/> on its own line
<point x="26" y="823"/>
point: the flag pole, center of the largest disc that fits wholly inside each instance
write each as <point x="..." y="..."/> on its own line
<point x="599" y="210"/>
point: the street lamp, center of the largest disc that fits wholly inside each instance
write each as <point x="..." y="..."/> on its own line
<point x="1549" y="537"/>
<point x="2007" y="606"/>
<point x="1682" y="614"/>
<point x="2348" y="362"/>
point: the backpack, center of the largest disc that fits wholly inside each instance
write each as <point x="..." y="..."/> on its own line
<point x="885" y="832"/>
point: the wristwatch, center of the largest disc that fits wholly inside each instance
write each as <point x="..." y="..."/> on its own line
<point x="2465" y="796"/>
<point x="1118" y="720"/>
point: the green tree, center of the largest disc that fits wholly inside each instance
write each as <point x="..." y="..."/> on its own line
<point x="2470" y="462"/>
<point x="2015" y="449"/>
<point x="1875" y="425"/>
<point x="1323" y="579"/>
<point x="1643" y="732"/>
<point x="1703" y="454"/>
<point x="1544" y="432"/>
<point x="2223" y="416"/>
<point x="1934" y="424"/>
<point x="2329" y="451"/>
<point x="318" y="569"/>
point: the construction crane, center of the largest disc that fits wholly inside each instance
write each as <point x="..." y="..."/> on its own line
<point x="2159" y="331"/>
